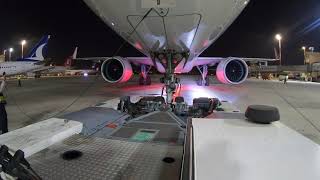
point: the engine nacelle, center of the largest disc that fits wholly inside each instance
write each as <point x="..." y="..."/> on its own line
<point x="232" y="71"/>
<point x="116" y="70"/>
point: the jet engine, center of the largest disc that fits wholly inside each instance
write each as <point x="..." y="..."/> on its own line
<point x="232" y="71"/>
<point x="116" y="70"/>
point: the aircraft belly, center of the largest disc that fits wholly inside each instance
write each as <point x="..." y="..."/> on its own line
<point x="181" y="25"/>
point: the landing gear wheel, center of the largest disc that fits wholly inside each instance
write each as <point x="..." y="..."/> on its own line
<point x="202" y="82"/>
<point x="148" y="80"/>
<point x="141" y="80"/>
<point x="160" y="99"/>
<point x="179" y="99"/>
<point x="199" y="82"/>
<point x="207" y="81"/>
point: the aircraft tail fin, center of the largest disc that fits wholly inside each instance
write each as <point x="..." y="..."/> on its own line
<point x="68" y="62"/>
<point x="39" y="51"/>
<point x="74" y="55"/>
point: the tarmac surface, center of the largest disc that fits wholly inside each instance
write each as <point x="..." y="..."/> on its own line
<point x="40" y="99"/>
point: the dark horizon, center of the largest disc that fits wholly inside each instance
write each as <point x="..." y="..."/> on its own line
<point x="71" y="23"/>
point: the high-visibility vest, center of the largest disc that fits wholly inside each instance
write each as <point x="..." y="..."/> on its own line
<point x="2" y="99"/>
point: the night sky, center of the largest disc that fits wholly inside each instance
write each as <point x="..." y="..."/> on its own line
<point x="71" y="23"/>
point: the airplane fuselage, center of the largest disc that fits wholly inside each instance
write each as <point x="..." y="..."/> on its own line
<point x="180" y="25"/>
<point x="18" y="67"/>
<point x="172" y="33"/>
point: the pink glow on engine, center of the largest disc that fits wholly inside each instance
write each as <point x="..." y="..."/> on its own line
<point x="221" y="76"/>
<point x="127" y="74"/>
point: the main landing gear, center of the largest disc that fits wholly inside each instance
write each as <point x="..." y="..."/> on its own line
<point x="144" y="78"/>
<point x="204" y="79"/>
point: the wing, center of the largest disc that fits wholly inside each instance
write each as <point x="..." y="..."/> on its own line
<point x="93" y="59"/>
<point x="44" y="68"/>
<point x="257" y="60"/>
<point x="140" y="60"/>
<point x="211" y="61"/>
<point x="186" y="66"/>
<point x="133" y="60"/>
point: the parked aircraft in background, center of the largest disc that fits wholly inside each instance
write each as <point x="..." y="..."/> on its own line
<point x="60" y="70"/>
<point x="2" y="58"/>
<point x="32" y="63"/>
<point x="81" y="71"/>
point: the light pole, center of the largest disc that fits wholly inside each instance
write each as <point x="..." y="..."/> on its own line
<point x="23" y="42"/>
<point x="279" y="38"/>
<point x="4" y="54"/>
<point x="304" y="54"/>
<point x="10" y="52"/>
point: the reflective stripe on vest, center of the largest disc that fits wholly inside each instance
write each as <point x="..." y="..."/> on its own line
<point x="2" y="98"/>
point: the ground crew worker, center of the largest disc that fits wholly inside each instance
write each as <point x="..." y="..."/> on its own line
<point x="285" y="79"/>
<point x="19" y="81"/>
<point x="3" y="112"/>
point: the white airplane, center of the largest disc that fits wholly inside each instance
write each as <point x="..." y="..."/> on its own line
<point x="74" y="71"/>
<point x="172" y="34"/>
<point x="62" y="69"/>
<point x="2" y="58"/>
<point x="34" y="62"/>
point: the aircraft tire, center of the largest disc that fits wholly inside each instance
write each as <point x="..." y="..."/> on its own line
<point x="141" y="81"/>
<point x="148" y="80"/>
<point x="179" y="99"/>
<point x="207" y="81"/>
